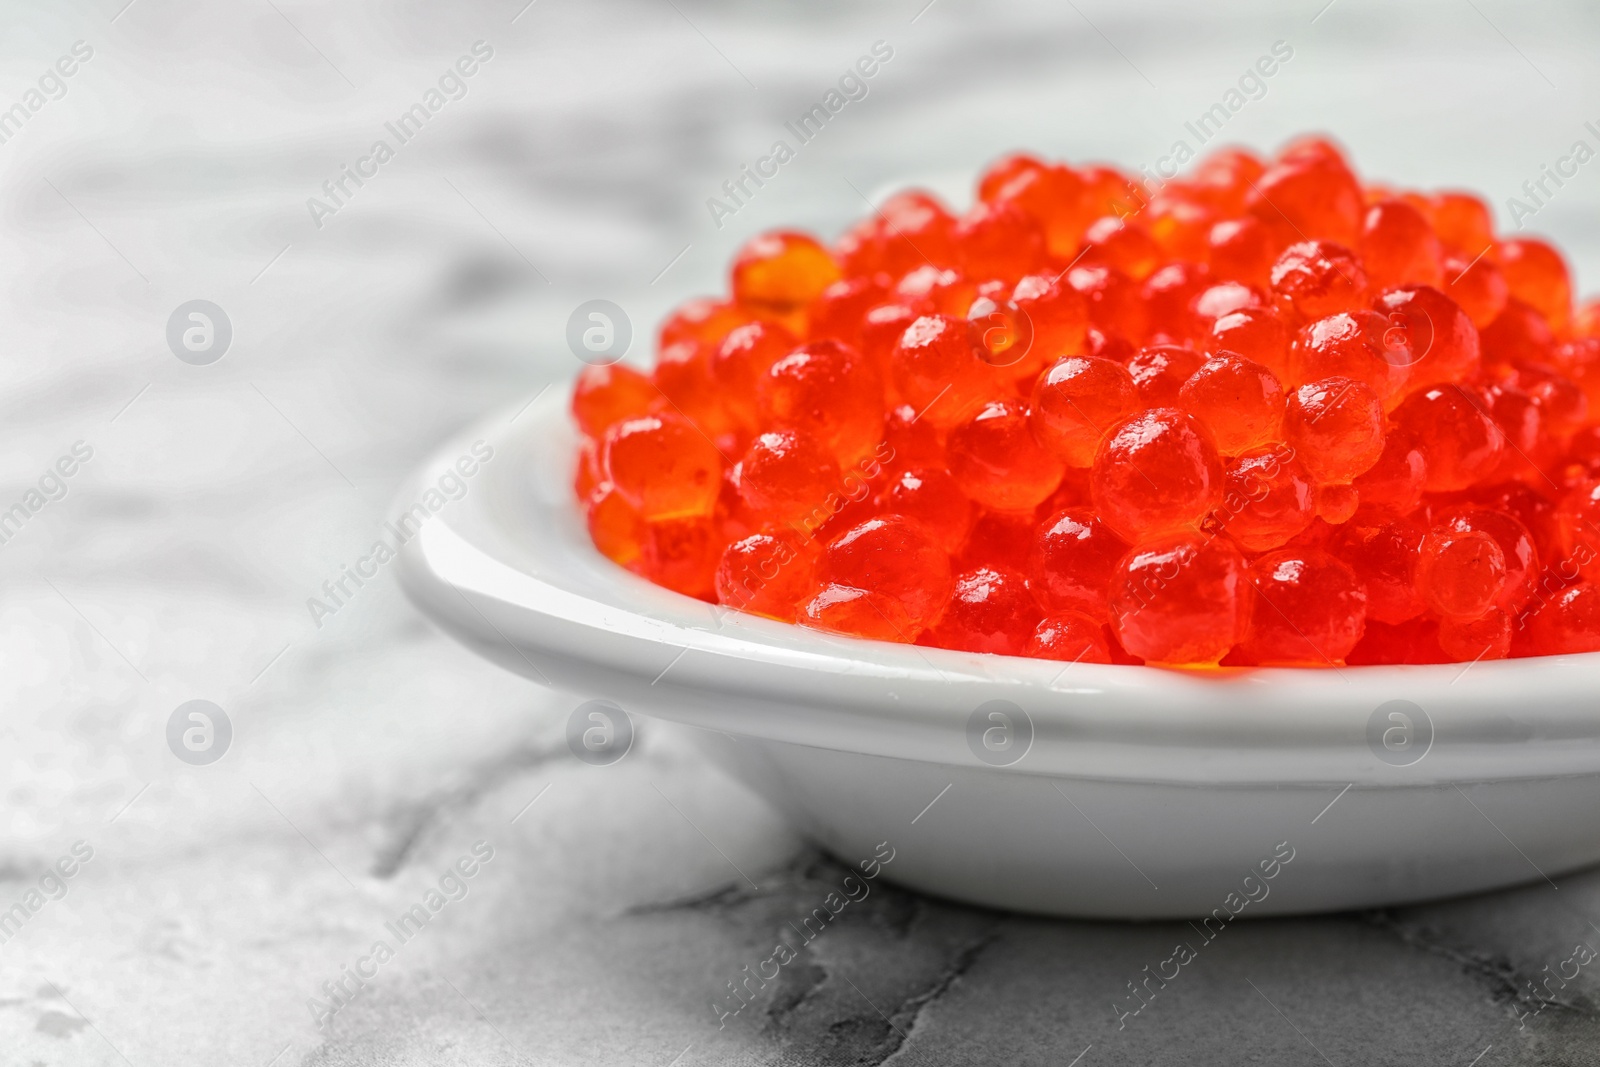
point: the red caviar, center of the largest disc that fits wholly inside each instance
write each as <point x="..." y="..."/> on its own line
<point x="1262" y="415"/>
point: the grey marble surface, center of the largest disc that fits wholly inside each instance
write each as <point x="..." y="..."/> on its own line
<point x="369" y="753"/>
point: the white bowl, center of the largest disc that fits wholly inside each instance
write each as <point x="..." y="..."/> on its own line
<point x="1144" y="793"/>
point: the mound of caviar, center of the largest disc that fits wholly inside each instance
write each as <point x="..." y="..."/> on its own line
<point x="1261" y="414"/>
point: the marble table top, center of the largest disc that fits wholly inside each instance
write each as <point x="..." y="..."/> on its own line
<point x="267" y="907"/>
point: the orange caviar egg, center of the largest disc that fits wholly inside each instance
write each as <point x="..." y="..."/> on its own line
<point x="932" y="289"/>
<point x="1478" y="285"/>
<point x="836" y="314"/>
<point x="605" y="395"/>
<point x="1181" y="226"/>
<point x="1181" y="600"/>
<point x="702" y="319"/>
<point x="1337" y="504"/>
<point x="1051" y="195"/>
<point x="997" y="461"/>
<point x="1159" y="371"/>
<point x="1058" y="317"/>
<point x="1392" y="487"/>
<point x="990" y="610"/>
<point x="894" y="558"/>
<point x="1429" y="334"/>
<point x="1315" y="197"/>
<point x="1240" y="402"/>
<point x="1460" y="572"/>
<point x="1537" y="275"/>
<point x="786" y="474"/>
<point x="1268" y="498"/>
<point x="910" y="229"/>
<point x="1335" y="427"/>
<point x="1002" y="336"/>
<point x="684" y="381"/>
<point x="1386" y="559"/>
<point x="1568" y="622"/>
<point x="1243" y="250"/>
<point x="1155" y="473"/>
<point x="1071" y="636"/>
<point x="1520" y="556"/>
<point x="1586" y="321"/>
<point x="1462" y="221"/>
<point x="1256" y="334"/>
<point x="830" y="392"/>
<point x="1398" y="246"/>
<point x="743" y="359"/>
<point x="614" y="525"/>
<point x="1314" y="279"/>
<point x="937" y="370"/>
<point x="931" y="498"/>
<point x="1115" y="242"/>
<point x="766" y="573"/>
<point x="1076" y="401"/>
<point x="782" y="271"/>
<point x="1169" y="296"/>
<point x="663" y="466"/>
<point x="999" y="241"/>
<point x="1486" y="637"/>
<point x="1460" y="443"/>
<point x="1311" y="610"/>
<point x="844" y="609"/>
<point x="1116" y="306"/>
<point x="1362" y="345"/>
<point x="1223" y="298"/>
<point x="681" y="553"/>
<point x="1071" y="561"/>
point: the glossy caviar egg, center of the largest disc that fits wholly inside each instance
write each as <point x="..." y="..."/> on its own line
<point x="1311" y="609"/>
<point x="1155" y="473"/>
<point x="1316" y="199"/>
<point x="1159" y="371"/>
<point x="1361" y="345"/>
<point x="663" y="466"/>
<point x="936" y="369"/>
<point x="1181" y="600"/>
<point x="1537" y="275"/>
<point x="894" y="558"/>
<point x="785" y="474"/>
<point x="990" y="610"/>
<point x="605" y="395"/>
<point x="1314" y="279"/>
<point x="1385" y="559"/>
<point x="930" y="497"/>
<point x="743" y="359"/>
<point x="766" y="573"/>
<point x="1460" y="443"/>
<point x="1256" y="334"/>
<point x="1335" y="427"/>
<point x="1076" y="401"/>
<point x="1071" y="636"/>
<point x="829" y="391"/>
<point x="1268" y="498"/>
<point x="1240" y="402"/>
<point x="1071" y="561"/>
<point x="1398" y="246"/>
<point x="999" y="241"/>
<point x="782" y="271"/>
<point x="998" y="462"/>
<point x="1461" y="573"/>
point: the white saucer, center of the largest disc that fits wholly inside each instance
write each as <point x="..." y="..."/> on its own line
<point x="1143" y="793"/>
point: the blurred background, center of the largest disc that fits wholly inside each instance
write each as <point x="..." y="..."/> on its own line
<point x="184" y="158"/>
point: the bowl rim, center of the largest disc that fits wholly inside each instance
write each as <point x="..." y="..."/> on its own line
<point x="509" y="569"/>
